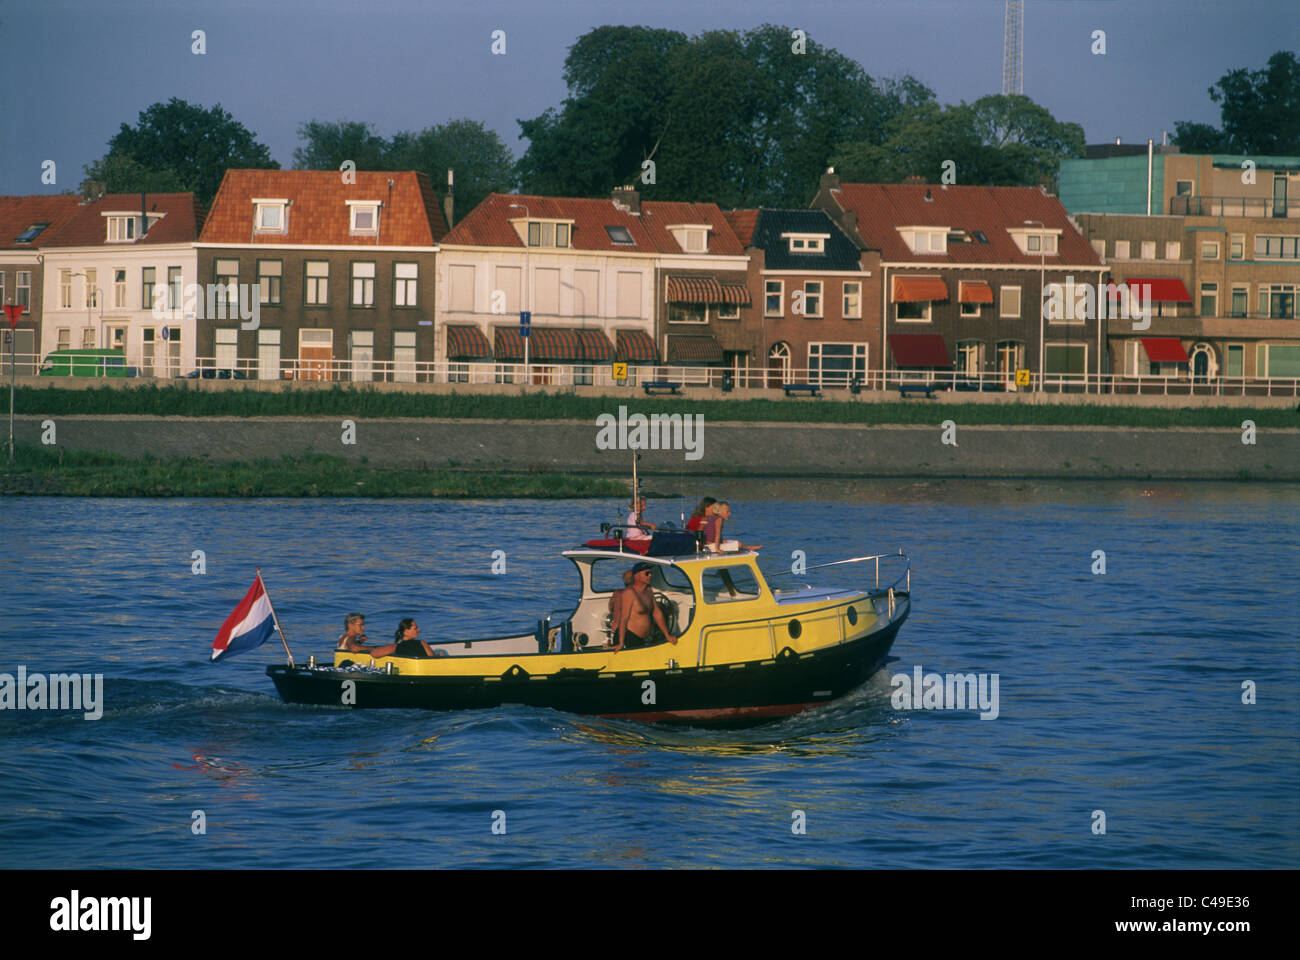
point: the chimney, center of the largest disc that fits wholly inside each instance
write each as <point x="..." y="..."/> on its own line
<point x="144" y="219"/>
<point x="830" y="180"/>
<point x="628" y="200"/>
<point x="449" y="201"/>
<point x="928" y="198"/>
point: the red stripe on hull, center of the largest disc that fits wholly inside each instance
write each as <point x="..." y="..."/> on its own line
<point x="718" y="713"/>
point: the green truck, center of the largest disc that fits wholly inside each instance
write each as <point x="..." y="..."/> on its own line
<point x="87" y="363"/>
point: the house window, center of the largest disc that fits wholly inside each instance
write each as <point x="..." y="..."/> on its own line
<point x="63" y="339"/>
<point x="548" y="234"/>
<point x="119" y="288"/>
<point x="1240" y="299"/>
<point x="23" y="289"/>
<point x="1209" y="299"/>
<point x="405" y="281"/>
<point x="318" y="282"/>
<point x="1034" y="242"/>
<point x="773" y="294"/>
<point x="852" y="300"/>
<point x="688" y="313"/>
<point x="970" y="309"/>
<point x="87" y="338"/>
<point x="1010" y="302"/>
<point x="175" y="288"/>
<point x="1182" y="188"/>
<point x="226" y="275"/>
<point x="812" y="298"/>
<point x="1237" y="246"/>
<point x="148" y="277"/>
<point x="1277" y="301"/>
<point x="919" y="311"/>
<point x="65" y="289"/>
<point x="620" y="236"/>
<point x="807" y="244"/>
<point x="926" y="241"/>
<point x="121" y="229"/>
<point x="363" y="284"/>
<point x="1173" y="249"/>
<point x="92" y="290"/>
<point x="365" y="218"/>
<point x="270" y="216"/>
<point x="836" y="363"/>
<point x="268" y="280"/>
<point x="1209" y="250"/>
<point x="728" y="311"/>
<point x="1277" y="248"/>
<point x="30" y="234"/>
<point x="1283" y="360"/>
<point x="1148" y="249"/>
<point x="1233" y="365"/>
<point x="1121" y="249"/>
<point x="1100" y="247"/>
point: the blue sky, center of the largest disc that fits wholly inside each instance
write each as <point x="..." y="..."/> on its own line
<point x="74" y="70"/>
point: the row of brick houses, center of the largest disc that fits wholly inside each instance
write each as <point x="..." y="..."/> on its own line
<point x="363" y="279"/>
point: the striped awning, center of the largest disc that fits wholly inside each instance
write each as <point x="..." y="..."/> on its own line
<point x="974" y="291"/>
<point x="467" y="343"/>
<point x="595" y="346"/>
<point x="917" y="289"/>
<point x="694" y="290"/>
<point x="736" y="293"/>
<point x="636" y="346"/>
<point x="694" y="350"/>
<point x="545" y="343"/>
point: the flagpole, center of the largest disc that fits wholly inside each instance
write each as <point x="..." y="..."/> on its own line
<point x="274" y="618"/>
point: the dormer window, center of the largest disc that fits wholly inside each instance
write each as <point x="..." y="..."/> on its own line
<point x="121" y="229"/>
<point x="364" y="216"/>
<point x="1040" y="242"/>
<point x="806" y="242"/>
<point x="692" y="237"/>
<point x="925" y="240"/>
<point x="548" y="233"/>
<point x="271" y="216"/>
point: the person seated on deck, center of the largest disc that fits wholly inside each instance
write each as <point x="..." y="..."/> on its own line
<point x="636" y="615"/>
<point x="353" y="638"/>
<point x="696" y="522"/>
<point x="718" y="514"/>
<point x="408" y="643"/>
<point x="636" y="528"/>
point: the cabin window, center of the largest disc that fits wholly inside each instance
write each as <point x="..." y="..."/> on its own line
<point x="729" y="584"/>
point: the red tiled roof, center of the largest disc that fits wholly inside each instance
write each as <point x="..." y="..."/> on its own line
<point x="1165" y="350"/>
<point x="488" y="224"/>
<point x="916" y="289"/>
<point x="318" y="210"/>
<point x="636" y="346"/>
<point x="742" y="224"/>
<point x="17" y="214"/>
<point x="181" y="224"/>
<point x="883" y="207"/>
<point x="919" y="350"/>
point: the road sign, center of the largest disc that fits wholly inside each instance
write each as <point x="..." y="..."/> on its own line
<point x="1022" y="378"/>
<point x="525" y="321"/>
<point x="165" y="333"/>
<point x="620" y="371"/>
<point x="13" y="311"/>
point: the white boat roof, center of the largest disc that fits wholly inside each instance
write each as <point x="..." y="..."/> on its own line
<point x="598" y="553"/>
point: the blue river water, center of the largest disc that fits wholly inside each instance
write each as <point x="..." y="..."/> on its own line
<point x="1120" y="693"/>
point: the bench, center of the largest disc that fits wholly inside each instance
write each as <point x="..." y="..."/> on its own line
<point x="661" y="386"/>
<point x="926" y="388"/>
<point x="809" y="389"/>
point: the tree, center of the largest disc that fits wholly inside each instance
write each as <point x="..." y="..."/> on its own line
<point x="325" y="146"/>
<point x="740" y="118"/>
<point x="1259" y="112"/>
<point x="118" y="173"/>
<point x="194" y="145"/>
<point x="482" y="162"/>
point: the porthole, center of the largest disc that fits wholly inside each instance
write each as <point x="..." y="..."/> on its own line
<point x="795" y="629"/>
<point x="852" y="614"/>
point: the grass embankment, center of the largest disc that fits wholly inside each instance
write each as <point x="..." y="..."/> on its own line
<point x="41" y="472"/>
<point x="360" y="403"/>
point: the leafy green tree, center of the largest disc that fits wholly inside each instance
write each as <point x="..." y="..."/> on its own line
<point x="480" y="158"/>
<point x="118" y="173"/>
<point x="195" y="145"/>
<point x="1259" y="112"/>
<point x="325" y="146"/>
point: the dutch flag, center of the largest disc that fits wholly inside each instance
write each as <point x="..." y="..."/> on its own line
<point x="249" y="626"/>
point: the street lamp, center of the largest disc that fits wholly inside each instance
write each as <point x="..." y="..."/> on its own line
<point x="527" y="218"/>
<point x="1042" y="290"/>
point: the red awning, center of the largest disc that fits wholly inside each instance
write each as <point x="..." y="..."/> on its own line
<point x="595" y="346"/>
<point x="555" y="344"/>
<point x="636" y="346"/>
<point x="916" y="289"/>
<point x="736" y="293"/>
<point x="919" y="350"/>
<point x="694" y="290"/>
<point x="1165" y="350"/>
<point x="1163" y="289"/>
<point x="974" y="291"/>
<point x="467" y="343"/>
<point x="694" y="350"/>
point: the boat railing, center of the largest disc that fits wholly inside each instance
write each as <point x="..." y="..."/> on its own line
<point x="902" y="578"/>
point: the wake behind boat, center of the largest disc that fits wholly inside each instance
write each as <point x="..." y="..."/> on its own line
<point x="745" y="650"/>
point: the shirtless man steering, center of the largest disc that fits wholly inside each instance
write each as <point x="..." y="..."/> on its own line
<point x="636" y="612"/>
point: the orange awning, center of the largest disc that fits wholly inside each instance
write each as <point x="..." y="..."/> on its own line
<point x="974" y="291"/>
<point x="916" y="289"/>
